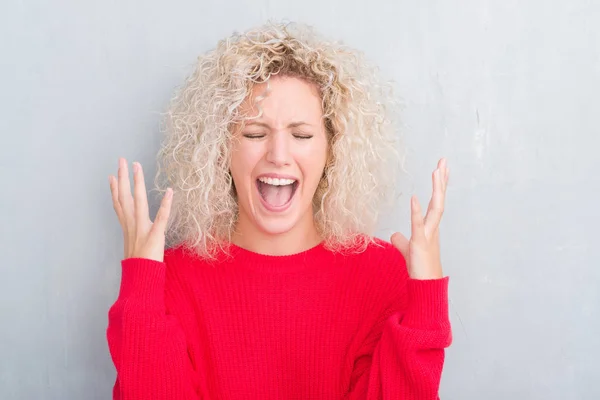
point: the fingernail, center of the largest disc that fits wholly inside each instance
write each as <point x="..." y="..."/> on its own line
<point x="136" y="166"/>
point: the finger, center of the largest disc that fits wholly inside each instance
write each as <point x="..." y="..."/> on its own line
<point x="401" y="243"/>
<point x="162" y="216"/>
<point x="442" y="167"/>
<point x="433" y="185"/>
<point x="436" y="189"/>
<point x="125" y="199"/>
<point x="442" y="178"/>
<point x="442" y="163"/>
<point x="435" y="236"/>
<point x="417" y="221"/>
<point x="140" y="198"/>
<point x="436" y="204"/>
<point x="445" y="172"/>
<point x="114" y="190"/>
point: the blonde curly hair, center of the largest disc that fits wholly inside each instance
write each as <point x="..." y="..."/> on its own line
<point x="359" y="177"/>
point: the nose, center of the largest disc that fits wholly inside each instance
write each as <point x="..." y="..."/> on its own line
<point x="278" y="151"/>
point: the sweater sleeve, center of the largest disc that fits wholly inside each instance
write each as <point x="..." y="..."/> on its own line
<point x="146" y="342"/>
<point x="403" y="355"/>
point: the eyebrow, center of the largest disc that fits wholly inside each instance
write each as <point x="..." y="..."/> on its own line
<point x="290" y="125"/>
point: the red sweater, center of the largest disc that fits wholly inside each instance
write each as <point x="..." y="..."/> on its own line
<point x="313" y="325"/>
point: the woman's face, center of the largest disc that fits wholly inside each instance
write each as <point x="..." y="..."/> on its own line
<point x="278" y="159"/>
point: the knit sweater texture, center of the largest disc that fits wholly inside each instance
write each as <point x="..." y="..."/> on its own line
<point x="312" y="325"/>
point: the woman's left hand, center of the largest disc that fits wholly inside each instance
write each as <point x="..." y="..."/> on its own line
<point x="422" y="251"/>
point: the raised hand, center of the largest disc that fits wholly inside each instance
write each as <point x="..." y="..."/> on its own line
<point x="142" y="237"/>
<point x="422" y="251"/>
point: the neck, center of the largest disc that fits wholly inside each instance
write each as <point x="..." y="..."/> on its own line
<point x="300" y="238"/>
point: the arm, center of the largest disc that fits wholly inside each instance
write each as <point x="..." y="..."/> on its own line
<point x="146" y="342"/>
<point x="406" y="362"/>
<point x="403" y="356"/>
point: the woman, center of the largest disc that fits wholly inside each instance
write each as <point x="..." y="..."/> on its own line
<point x="279" y="151"/>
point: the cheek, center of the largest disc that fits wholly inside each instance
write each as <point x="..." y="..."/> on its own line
<point x="313" y="162"/>
<point x="243" y="162"/>
<point x="239" y="175"/>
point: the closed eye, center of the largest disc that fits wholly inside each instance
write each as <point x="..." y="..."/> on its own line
<point x="254" y="135"/>
<point x="298" y="136"/>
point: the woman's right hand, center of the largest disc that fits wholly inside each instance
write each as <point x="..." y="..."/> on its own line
<point x="142" y="237"/>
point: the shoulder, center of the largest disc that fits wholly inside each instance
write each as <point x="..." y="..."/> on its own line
<point x="176" y="259"/>
<point x="183" y="256"/>
<point x="181" y="280"/>
<point x="175" y="254"/>
<point x="181" y="262"/>
<point x="380" y="275"/>
<point x="380" y="254"/>
<point x="379" y="250"/>
<point x="381" y="261"/>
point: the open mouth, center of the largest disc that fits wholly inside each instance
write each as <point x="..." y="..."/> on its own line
<point x="276" y="193"/>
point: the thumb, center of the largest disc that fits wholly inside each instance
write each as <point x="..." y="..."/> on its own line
<point x="401" y="243"/>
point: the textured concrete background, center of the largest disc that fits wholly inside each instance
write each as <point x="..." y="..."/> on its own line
<point x="507" y="90"/>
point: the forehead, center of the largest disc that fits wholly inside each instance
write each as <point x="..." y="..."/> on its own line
<point x="283" y="99"/>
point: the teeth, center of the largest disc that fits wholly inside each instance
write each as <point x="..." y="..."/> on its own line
<point x="276" y="181"/>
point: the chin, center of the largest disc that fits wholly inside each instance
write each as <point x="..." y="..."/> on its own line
<point x="276" y="225"/>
